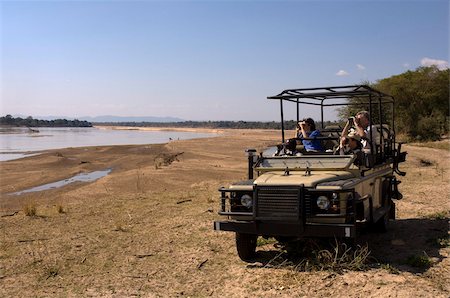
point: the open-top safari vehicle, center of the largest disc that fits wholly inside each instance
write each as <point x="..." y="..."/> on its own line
<point x="318" y="194"/>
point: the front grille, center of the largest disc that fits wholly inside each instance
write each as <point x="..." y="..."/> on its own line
<point x="278" y="202"/>
<point x="309" y="207"/>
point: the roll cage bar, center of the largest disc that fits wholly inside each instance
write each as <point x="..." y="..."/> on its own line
<point x="324" y="96"/>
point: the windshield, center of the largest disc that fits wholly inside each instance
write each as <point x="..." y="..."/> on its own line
<point x="303" y="162"/>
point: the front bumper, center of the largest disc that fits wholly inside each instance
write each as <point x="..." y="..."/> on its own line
<point x="287" y="229"/>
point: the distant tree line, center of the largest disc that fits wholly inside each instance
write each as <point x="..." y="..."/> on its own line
<point x="290" y="124"/>
<point x="31" y="122"/>
<point x="421" y="102"/>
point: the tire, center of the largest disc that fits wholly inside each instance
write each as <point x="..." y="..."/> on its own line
<point x="246" y="246"/>
<point x="382" y="224"/>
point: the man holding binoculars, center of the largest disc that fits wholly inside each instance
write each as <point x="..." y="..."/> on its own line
<point x="362" y="129"/>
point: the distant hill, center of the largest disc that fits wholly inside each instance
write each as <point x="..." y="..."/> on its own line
<point x="110" y="118"/>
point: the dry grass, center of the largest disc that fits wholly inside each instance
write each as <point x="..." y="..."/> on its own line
<point x="165" y="159"/>
<point x="30" y="209"/>
<point x="438" y="215"/>
<point x="60" y="209"/>
<point x="146" y="232"/>
<point x="315" y="256"/>
<point x="443" y="145"/>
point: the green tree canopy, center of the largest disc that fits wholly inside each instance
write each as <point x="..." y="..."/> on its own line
<point x="421" y="102"/>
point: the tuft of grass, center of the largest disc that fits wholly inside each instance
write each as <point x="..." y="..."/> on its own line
<point x="438" y="215"/>
<point x="140" y="183"/>
<point x="389" y="268"/>
<point x="166" y="159"/>
<point x="439" y="242"/>
<point x="30" y="209"/>
<point x="443" y="242"/>
<point x="443" y="145"/>
<point x="51" y="272"/>
<point x="422" y="261"/>
<point x="264" y="241"/>
<point x="60" y="209"/>
<point x="120" y="227"/>
<point x="338" y="258"/>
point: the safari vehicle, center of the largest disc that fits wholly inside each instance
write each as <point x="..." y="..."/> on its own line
<point x="317" y="194"/>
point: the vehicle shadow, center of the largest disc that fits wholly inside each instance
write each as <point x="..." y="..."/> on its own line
<point x="411" y="245"/>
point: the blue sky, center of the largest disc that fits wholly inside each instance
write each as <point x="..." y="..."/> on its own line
<point x="204" y="60"/>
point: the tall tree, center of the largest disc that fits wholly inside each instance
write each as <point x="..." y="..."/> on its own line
<point x="421" y="102"/>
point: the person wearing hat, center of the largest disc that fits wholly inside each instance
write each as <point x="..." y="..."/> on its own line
<point x="350" y="144"/>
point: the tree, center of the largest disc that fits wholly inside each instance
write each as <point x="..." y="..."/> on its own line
<point x="421" y="102"/>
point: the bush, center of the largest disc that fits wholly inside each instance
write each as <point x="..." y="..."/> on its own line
<point x="419" y="261"/>
<point x="429" y="128"/>
<point x="29" y="210"/>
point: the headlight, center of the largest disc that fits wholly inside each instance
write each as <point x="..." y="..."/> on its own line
<point x="323" y="202"/>
<point x="246" y="201"/>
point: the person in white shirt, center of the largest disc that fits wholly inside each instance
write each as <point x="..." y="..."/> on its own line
<point x="361" y="123"/>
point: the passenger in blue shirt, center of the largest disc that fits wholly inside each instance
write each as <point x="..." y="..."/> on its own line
<point x="307" y="129"/>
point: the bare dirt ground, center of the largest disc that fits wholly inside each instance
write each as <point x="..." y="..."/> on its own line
<point x="146" y="229"/>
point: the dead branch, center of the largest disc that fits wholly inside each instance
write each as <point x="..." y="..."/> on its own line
<point x="184" y="201"/>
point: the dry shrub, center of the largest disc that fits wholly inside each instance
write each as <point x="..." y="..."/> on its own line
<point x="419" y="261"/>
<point x="120" y="226"/>
<point x="30" y="209"/>
<point x="316" y="257"/>
<point x="165" y="159"/>
<point x="340" y="257"/>
<point x="140" y="183"/>
<point x="60" y="209"/>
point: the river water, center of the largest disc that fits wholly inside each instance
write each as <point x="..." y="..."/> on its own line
<point x="20" y="142"/>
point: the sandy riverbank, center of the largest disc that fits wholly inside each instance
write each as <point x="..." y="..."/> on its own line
<point x="186" y="129"/>
<point x="146" y="229"/>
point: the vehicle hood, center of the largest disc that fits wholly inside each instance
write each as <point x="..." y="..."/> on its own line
<point x="299" y="177"/>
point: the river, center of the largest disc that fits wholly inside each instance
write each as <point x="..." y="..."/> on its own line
<point x="20" y="142"/>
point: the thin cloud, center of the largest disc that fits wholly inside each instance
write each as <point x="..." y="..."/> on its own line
<point x="440" y="64"/>
<point x="360" y="66"/>
<point x="342" y="73"/>
<point x="406" y="65"/>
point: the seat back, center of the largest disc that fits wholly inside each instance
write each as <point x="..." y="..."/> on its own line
<point x="333" y="131"/>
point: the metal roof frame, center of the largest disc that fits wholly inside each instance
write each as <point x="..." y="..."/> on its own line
<point x="320" y="96"/>
<point x="326" y="93"/>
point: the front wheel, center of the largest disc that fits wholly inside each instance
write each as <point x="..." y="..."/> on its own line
<point x="246" y="246"/>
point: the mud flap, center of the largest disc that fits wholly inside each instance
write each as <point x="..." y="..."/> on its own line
<point x="396" y="195"/>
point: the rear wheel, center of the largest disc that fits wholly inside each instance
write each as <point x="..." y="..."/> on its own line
<point x="246" y="246"/>
<point x="382" y="224"/>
